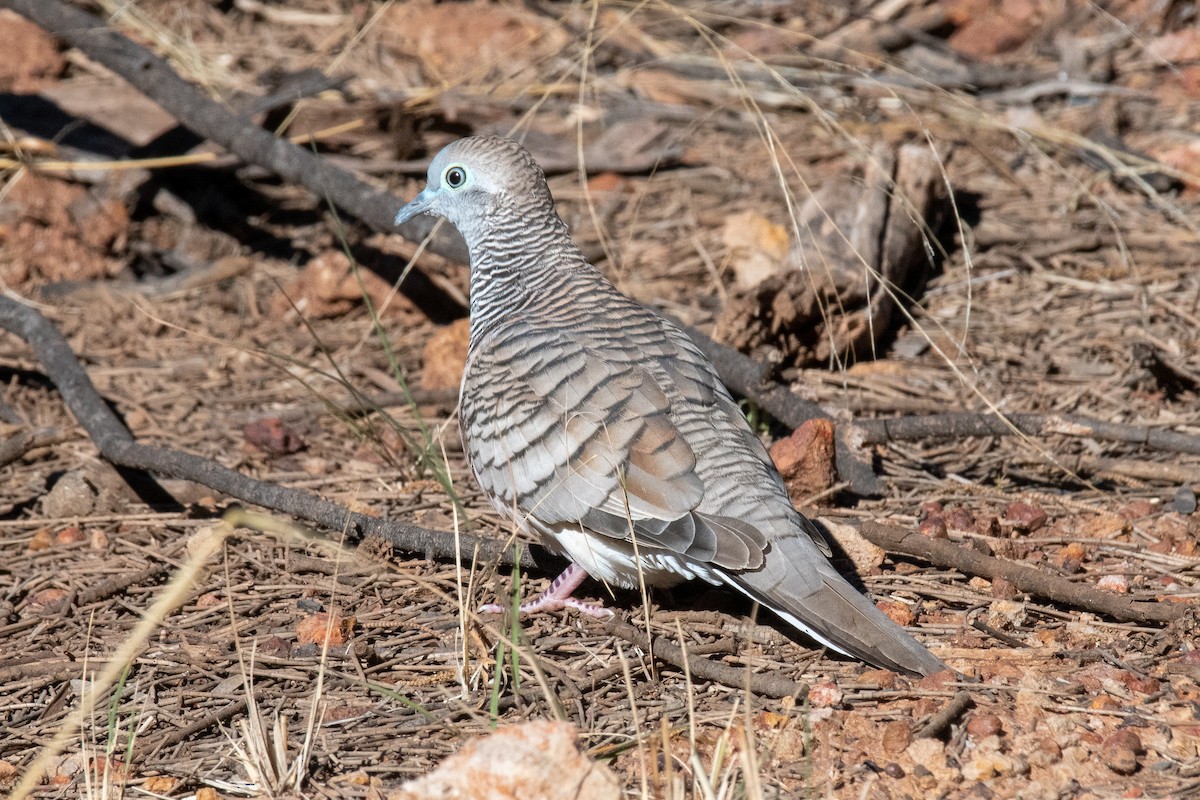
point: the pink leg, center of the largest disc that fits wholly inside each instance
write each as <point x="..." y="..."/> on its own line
<point x="556" y="597"/>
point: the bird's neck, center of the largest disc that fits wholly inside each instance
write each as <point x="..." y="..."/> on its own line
<point x="521" y="264"/>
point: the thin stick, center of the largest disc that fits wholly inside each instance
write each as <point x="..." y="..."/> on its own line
<point x="944" y="718"/>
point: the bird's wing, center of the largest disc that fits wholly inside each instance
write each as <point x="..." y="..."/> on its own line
<point x="567" y="433"/>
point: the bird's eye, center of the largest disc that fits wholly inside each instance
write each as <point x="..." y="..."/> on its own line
<point x="455" y="177"/>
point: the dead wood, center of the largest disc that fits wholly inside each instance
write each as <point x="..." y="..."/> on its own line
<point x="863" y="243"/>
<point x="16" y="446"/>
<point x="185" y="733"/>
<point x="745" y="376"/>
<point x="1130" y="468"/>
<point x="943" y="553"/>
<point x="103" y="591"/>
<point x="962" y="425"/>
<point x="117" y="444"/>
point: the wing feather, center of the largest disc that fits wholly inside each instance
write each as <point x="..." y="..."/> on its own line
<point x="571" y="436"/>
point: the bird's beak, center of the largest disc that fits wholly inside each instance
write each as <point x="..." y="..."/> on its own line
<point x="418" y="205"/>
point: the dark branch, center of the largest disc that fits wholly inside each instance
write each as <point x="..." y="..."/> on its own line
<point x="1027" y="579"/>
<point x="960" y="426"/>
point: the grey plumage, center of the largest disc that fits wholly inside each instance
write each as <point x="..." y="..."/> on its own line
<point x="598" y="424"/>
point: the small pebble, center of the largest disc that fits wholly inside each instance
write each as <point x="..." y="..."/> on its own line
<point x="1121" y="752"/>
<point x="981" y="725"/>
<point x="1185" y="500"/>
<point x="896" y="738"/>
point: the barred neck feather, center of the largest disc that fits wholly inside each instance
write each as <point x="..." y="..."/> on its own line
<point x="523" y="260"/>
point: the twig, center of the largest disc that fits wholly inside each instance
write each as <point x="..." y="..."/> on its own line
<point x="102" y="591"/>
<point x="1180" y="474"/>
<point x="174" y="737"/>
<point x="944" y="718"/>
<point x="704" y="668"/>
<point x="1027" y="579"/>
<point x="45" y="667"/>
<point x="998" y="635"/>
<point x="16" y="446"/>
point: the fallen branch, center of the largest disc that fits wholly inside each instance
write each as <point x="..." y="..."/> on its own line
<point x="1027" y="579"/>
<point x="960" y="426"/>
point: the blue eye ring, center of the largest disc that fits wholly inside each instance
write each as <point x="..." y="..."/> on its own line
<point x="455" y="176"/>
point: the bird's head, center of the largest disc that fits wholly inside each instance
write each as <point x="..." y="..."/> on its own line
<point x="473" y="180"/>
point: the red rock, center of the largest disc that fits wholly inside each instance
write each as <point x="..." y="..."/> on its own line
<point x="806" y="459"/>
<point x="1003" y="589"/>
<point x="981" y="725"/>
<point x="1046" y="753"/>
<point x="1121" y="750"/>
<point x="896" y="738"/>
<point x="825" y="695"/>
<point x="934" y="527"/>
<point x="1024" y="516"/>
<point x="899" y="613"/>
<point x="960" y="519"/>
<point x="69" y="535"/>
<point x="272" y="436"/>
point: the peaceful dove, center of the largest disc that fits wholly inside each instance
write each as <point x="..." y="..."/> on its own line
<point x="598" y="425"/>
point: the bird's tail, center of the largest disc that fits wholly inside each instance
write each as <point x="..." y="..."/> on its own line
<point x="802" y="587"/>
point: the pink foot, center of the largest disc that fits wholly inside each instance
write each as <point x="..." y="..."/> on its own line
<point x="556" y="597"/>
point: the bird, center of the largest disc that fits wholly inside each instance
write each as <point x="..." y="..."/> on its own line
<point x="597" y="425"/>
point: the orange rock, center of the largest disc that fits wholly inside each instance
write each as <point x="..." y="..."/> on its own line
<point x="896" y="738"/>
<point x="899" y="613"/>
<point x="806" y="459"/>
<point x="313" y="628"/>
<point x="825" y="695"/>
<point x="530" y="760"/>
